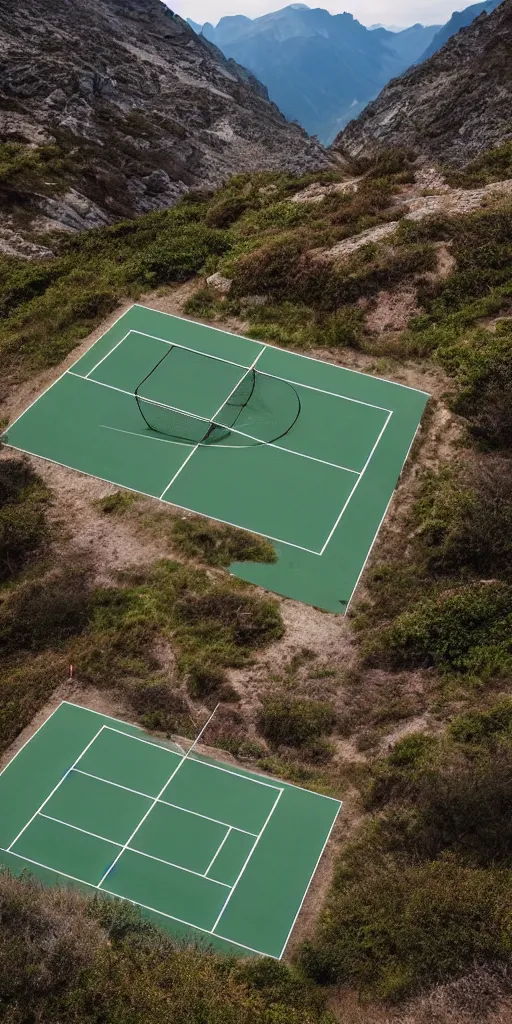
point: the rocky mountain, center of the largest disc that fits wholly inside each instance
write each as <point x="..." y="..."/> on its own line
<point x="458" y="20"/>
<point x="453" y="106"/>
<point x="114" y="107"/>
<point x="320" y="69"/>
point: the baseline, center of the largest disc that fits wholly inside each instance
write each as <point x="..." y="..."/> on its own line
<point x="144" y="906"/>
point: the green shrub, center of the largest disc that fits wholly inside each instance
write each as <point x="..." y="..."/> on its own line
<point x="225" y="211"/>
<point x="217" y="544"/>
<point x="177" y="256"/>
<point x="23" y="528"/>
<point x="73" y="958"/>
<point x="484" y="389"/>
<point x="115" y="504"/>
<point x="455" y="800"/>
<point x="25" y="688"/>
<point x="389" y="929"/>
<point x="160" y="706"/>
<point x="470" y="631"/>
<point x="45" y="612"/>
<point x="494" y="165"/>
<point x="482" y="726"/>
<point x="464" y="520"/>
<point x="344" y="328"/>
<point x="204" y="678"/>
<point x="293" y="721"/>
<point x="226" y="620"/>
<point x="204" y="303"/>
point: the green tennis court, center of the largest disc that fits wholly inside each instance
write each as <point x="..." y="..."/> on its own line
<point x="213" y="852"/>
<point x="302" y="452"/>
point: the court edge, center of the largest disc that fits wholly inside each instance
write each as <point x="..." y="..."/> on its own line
<point x="143" y="906"/>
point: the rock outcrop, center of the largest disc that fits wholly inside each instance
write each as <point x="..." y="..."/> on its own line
<point x="142" y="109"/>
<point x="454" y="106"/>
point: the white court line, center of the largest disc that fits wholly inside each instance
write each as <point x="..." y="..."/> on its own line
<point x="376" y="534"/>
<point x="170" y="863"/>
<point x="183" y="464"/>
<point x="313" y="873"/>
<point x="23" y="745"/>
<point x="172" y="344"/>
<point x="54" y="790"/>
<point x="61" y="375"/>
<point x="179" y="867"/>
<point x="356" y="485"/>
<point x="204" y="764"/>
<point x="214" y="858"/>
<point x="232" y="447"/>
<point x="299" y="355"/>
<point x="154" y="743"/>
<point x="209" y="355"/>
<point x="146" y="494"/>
<point x="166" y="803"/>
<point x="148" y="437"/>
<point x="76" y="828"/>
<point x="213" y="418"/>
<point x="140" y="739"/>
<point x="155" y="801"/>
<point x="223" y="908"/>
<point x="136" y="903"/>
<point x="90" y="775"/>
<point x="102" y="360"/>
<point x="322" y="391"/>
<point x="195" y="351"/>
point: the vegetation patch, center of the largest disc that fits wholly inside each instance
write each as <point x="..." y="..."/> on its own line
<point x="68" y="957"/>
<point x="23" y="526"/>
<point x="469" y="632"/>
<point x="291" y="721"/>
<point x="218" y="544"/>
<point x="494" y="165"/>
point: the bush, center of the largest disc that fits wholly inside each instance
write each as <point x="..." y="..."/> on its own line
<point x="293" y="722"/>
<point x="24" y="689"/>
<point x="115" y="504"/>
<point x="205" y="679"/>
<point x="390" y="928"/>
<point x="43" y="613"/>
<point x="71" y="958"/>
<point x="470" y="631"/>
<point x="23" y="529"/>
<point x="159" y="706"/>
<point x="479" y="726"/>
<point x="225" y="212"/>
<point x="177" y="256"/>
<point x="484" y="390"/>
<point x="217" y="544"/>
<point x="230" y="621"/>
<point x="464" y="519"/>
<point x="494" y="165"/>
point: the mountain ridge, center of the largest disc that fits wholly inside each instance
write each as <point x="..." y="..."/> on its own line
<point x="450" y="108"/>
<point x="138" y="106"/>
<point x="319" y="68"/>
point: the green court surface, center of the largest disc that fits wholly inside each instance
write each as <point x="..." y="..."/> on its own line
<point x="208" y="850"/>
<point x="297" y="450"/>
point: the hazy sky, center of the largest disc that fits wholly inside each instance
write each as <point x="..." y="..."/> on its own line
<point x="369" y="12"/>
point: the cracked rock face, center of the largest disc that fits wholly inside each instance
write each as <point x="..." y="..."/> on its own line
<point x="146" y="108"/>
<point x="454" y="106"/>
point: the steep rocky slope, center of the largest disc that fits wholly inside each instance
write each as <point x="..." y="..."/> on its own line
<point x="137" y="109"/>
<point x="451" y="107"/>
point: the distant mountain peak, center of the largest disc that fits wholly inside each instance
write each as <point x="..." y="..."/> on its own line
<point x="450" y="108"/>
